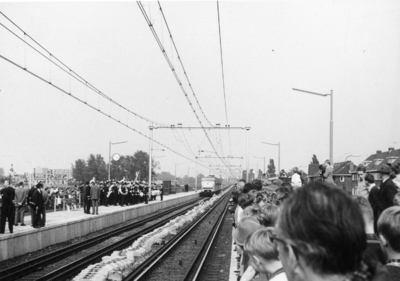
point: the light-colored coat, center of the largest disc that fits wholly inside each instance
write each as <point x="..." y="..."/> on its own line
<point x="95" y="192"/>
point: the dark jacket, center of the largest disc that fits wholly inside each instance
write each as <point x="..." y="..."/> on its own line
<point x="7" y="197"/>
<point x="30" y="194"/>
<point x="386" y="194"/>
<point x="37" y="199"/>
<point x="86" y="192"/>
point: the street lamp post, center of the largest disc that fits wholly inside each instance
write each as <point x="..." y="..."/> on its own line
<point x="109" y="156"/>
<point x="330" y="123"/>
<point x="279" y="153"/>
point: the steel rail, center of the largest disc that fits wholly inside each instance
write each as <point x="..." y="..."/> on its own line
<point x="147" y="265"/>
<point x="26" y="268"/>
<point x="205" y="250"/>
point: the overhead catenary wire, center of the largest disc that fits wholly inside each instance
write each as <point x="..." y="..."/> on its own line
<point x="53" y="59"/>
<point x="181" y="63"/>
<point x="98" y="110"/>
<point x="223" y="75"/>
<point x="149" y="23"/>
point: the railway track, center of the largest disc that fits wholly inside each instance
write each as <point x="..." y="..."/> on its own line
<point x="37" y="264"/>
<point x="183" y="257"/>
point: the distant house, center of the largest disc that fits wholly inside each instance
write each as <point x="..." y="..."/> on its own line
<point x="375" y="161"/>
<point x="342" y="175"/>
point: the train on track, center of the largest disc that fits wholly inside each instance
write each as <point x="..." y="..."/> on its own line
<point x="210" y="185"/>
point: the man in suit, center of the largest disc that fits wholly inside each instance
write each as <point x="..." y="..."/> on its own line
<point x="37" y="204"/>
<point x="387" y="191"/>
<point x="29" y="199"/>
<point x="373" y="198"/>
<point x="20" y="203"/>
<point x="7" y="207"/>
<point x="95" y="197"/>
<point x="146" y="193"/>
<point x="45" y="196"/>
<point x="161" y="192"/>
<point x="106" y="189"/>
<point x="86" y="198"/>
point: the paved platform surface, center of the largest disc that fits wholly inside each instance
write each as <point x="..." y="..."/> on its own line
<point x="65" y="225"/>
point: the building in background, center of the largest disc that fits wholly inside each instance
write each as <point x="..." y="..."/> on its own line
<point x="342" y="174"/>
<point x="59" y="177"/>
<point x="375" y="161"/>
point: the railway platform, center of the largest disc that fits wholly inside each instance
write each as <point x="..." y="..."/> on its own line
<point x="66" y="225"/>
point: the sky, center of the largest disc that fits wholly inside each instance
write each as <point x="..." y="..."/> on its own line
<point x="268" y="48"/>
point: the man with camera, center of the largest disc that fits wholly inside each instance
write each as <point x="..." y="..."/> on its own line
<point x="328" y="174"/>
<point x="362" y="189"/>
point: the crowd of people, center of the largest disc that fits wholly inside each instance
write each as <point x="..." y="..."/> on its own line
<point x="122" y="193"/>
<point x="17" y="200"/>
<point x="317" y="231"/>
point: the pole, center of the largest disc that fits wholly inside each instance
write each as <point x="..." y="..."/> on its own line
<point x="109" y="160"/>
<point x="264" y="165"/>
<point x="279" y="157"/>
<point x="175" y="172"/>
<point x="247" y="155"/>
<point x="196" y="179"/>
<point x="331" y="132"/>
<point x="150" y="157"/>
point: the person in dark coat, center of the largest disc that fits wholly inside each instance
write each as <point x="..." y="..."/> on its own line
<point x="161" y="192"/>
<point x="38" y="204"/>
<point x="29" y="199"/>
<point x="114" y="188"/>
<point x="105" y="194"/>
<point x="146" y="194"/>
<point x="387" y="191"/>
<point x="86" y="198"/>
<point x="82" y="201"/>
<point x="373" y="197"/>
<point x="7" y="207"/>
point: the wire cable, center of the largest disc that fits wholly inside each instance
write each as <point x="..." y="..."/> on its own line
<point x="174" y="72"/>
<point x="96" y="109"/>
<point x="68" y="70"/>
<point x="223" y="76"/>
<point x="180" y="61"/>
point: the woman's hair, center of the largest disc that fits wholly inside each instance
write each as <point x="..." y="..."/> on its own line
<point x="253" y="194"/>
<point x="256" y="184"/>
<point x="369" y="178"/>
<point x="251" y="211"/>
<point x="259" y="243"/>
<point x="247" y="188"/>
<point x="326" y="226"/>
<point x="389" y="227"/>
<point x="269" y="215"/>
<point x="245" y="200"/>
<point x="235" y="196"/>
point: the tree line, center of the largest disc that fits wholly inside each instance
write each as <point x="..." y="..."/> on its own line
<point x="126" y="166"/>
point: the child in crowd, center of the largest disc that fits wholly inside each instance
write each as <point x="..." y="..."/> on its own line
<point x="263" y="254"/>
